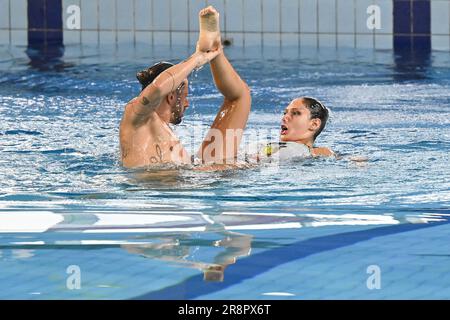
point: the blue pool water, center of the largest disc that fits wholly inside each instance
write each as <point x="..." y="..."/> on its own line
<point x="301" y="230"/>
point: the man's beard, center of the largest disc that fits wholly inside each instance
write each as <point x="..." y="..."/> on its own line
<point x="177" y="120"/>
<point x="177" y="115"/>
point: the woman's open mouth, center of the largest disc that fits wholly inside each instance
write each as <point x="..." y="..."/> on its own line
<point x="284" y="129"/>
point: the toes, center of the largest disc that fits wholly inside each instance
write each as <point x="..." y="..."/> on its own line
<point x="208" y="10"/>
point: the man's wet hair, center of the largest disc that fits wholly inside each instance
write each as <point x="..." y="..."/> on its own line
<point x="319" y="111"/>
<point x="147" y="76"/>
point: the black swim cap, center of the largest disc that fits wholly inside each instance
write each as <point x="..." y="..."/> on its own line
<point x="146" y="77"/>
<point x="318" y="110"/>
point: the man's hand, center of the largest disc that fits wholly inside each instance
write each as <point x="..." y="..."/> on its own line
<point x="206" y="57"/>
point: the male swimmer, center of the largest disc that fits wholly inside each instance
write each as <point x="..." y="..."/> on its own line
<point x="145" y="136"/>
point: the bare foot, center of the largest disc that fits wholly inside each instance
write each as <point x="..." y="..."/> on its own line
<point x="209" y="38"/>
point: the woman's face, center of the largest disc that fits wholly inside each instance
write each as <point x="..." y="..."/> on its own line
<point x="296" y="124"/>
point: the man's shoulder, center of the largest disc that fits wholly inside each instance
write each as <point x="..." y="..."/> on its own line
<point x="135" y="115"/>
<point x="128" y="108"/>
<point x="130" y="104"/>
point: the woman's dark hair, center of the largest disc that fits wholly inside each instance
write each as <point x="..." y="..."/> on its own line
<point x="319" y="111"/>
<point x="146" y="77"/>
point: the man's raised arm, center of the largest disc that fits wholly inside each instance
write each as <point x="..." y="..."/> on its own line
<point x="168" y="81"/>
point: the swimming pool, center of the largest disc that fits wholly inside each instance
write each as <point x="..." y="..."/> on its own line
<point x="75" y="225"/>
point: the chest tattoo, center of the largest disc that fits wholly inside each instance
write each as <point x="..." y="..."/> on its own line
<point x="159" y="157"/>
